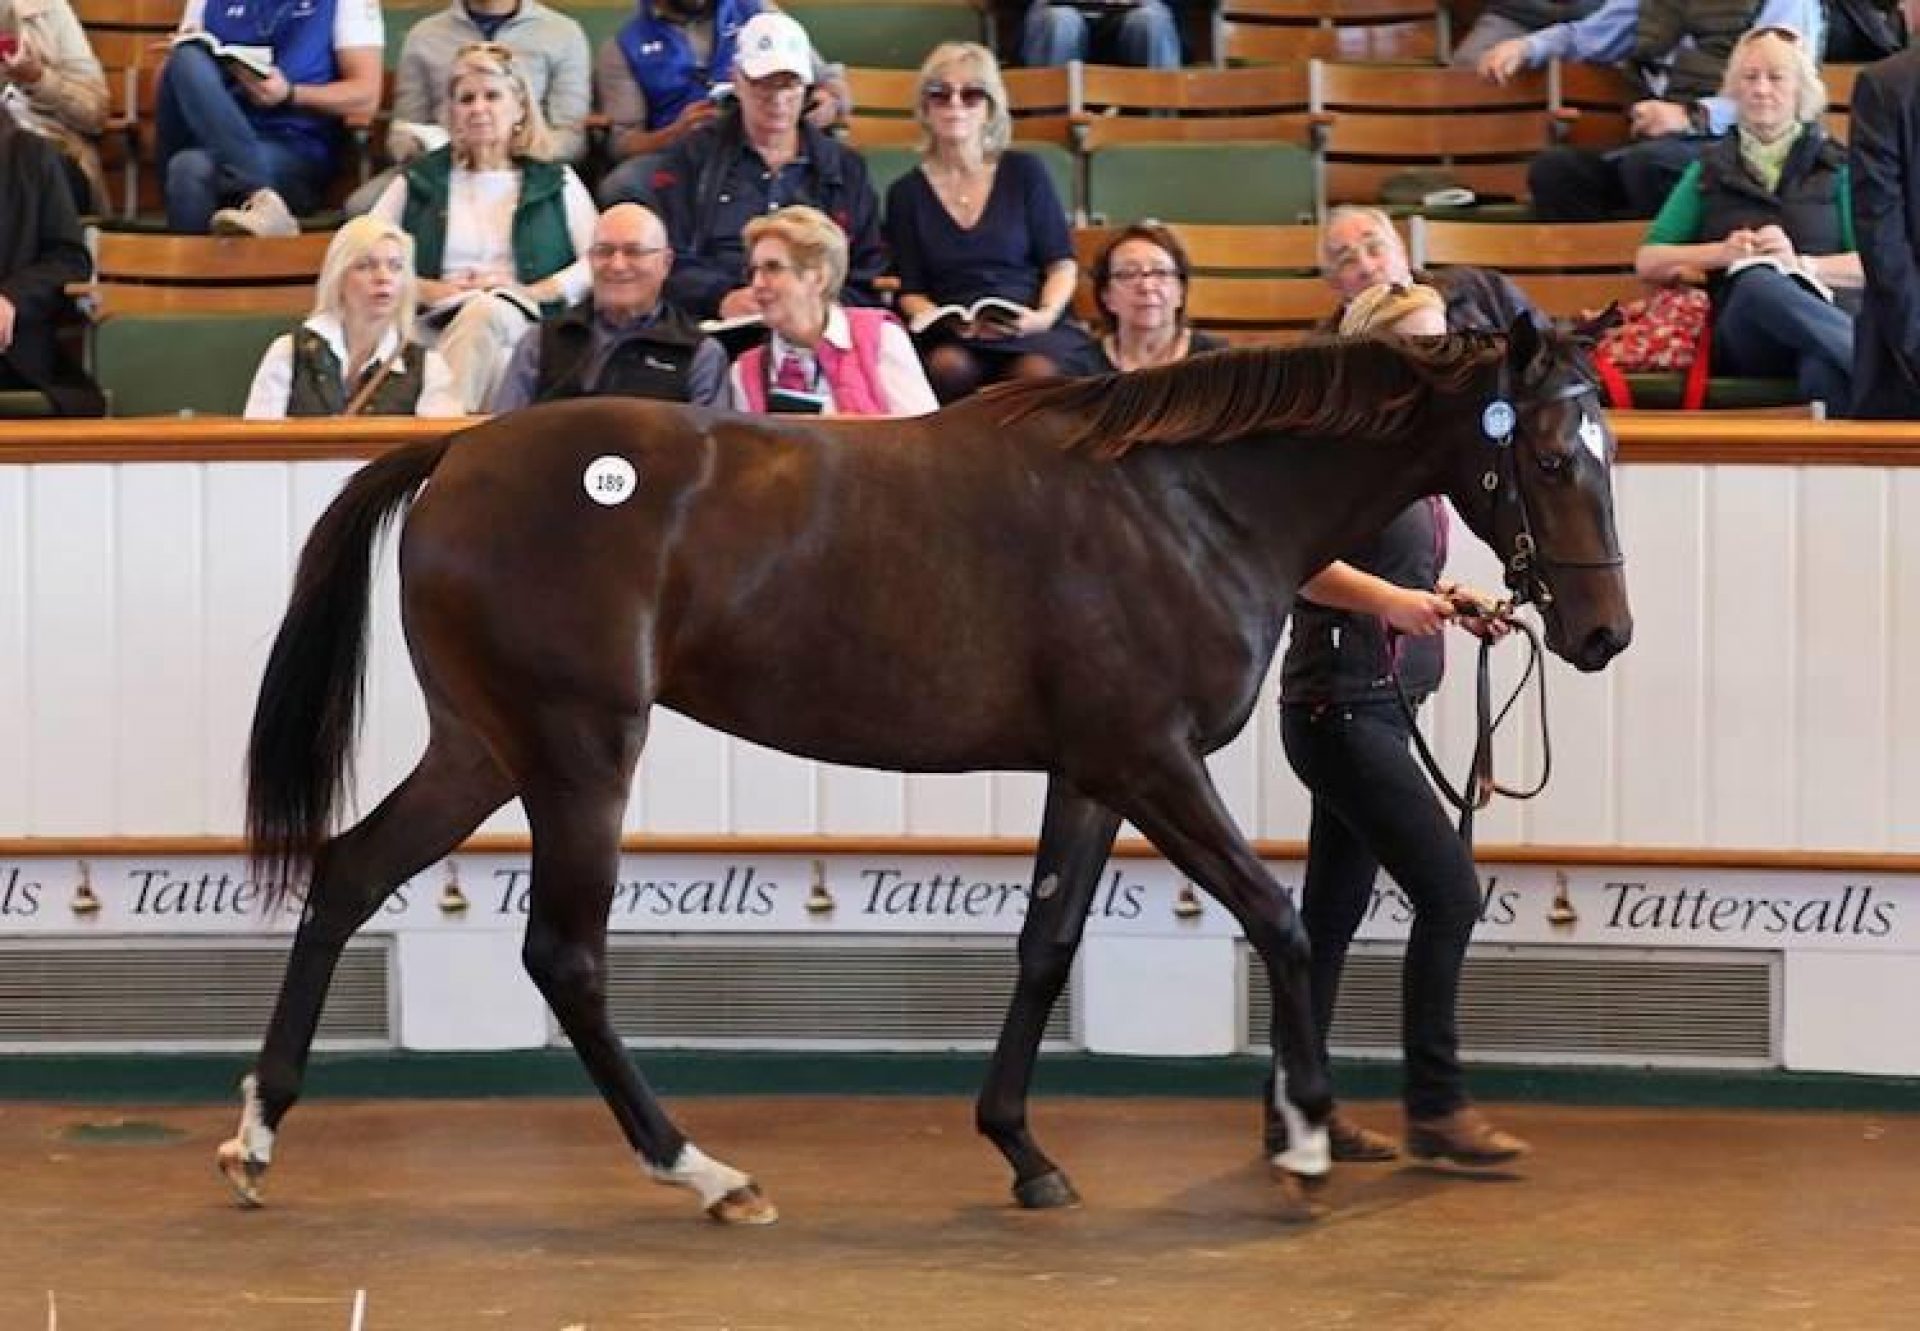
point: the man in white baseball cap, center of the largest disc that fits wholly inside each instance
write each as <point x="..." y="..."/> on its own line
<point x="759" y="156"/>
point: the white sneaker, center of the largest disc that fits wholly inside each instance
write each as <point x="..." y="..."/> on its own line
<point x="264" y="213"/>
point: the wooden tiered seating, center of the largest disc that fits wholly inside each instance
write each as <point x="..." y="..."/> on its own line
<point x="144" y="273"/>
<point x="1376" y="122"/>
<point x="1277" y="31"/>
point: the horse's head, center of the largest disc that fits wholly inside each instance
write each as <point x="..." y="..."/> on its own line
<point x="1533" y="482"/>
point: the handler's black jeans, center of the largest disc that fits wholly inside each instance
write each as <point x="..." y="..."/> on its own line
<point x="1373" y="809"/>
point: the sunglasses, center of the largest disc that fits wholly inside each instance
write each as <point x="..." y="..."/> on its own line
<point x="497" y="51"/>
<point x="967" y="94"/>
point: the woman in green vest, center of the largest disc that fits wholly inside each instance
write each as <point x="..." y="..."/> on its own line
<point x="351" y="356"/>
<point x="502" y="233"/>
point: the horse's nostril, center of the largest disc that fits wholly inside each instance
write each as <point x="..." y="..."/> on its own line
<point x="1602" y="645"/>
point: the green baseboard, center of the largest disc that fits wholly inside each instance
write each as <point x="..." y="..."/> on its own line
<point x="211" y="1078"/>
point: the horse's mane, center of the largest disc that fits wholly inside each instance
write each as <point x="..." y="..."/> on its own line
<point x="1329" y="388"/>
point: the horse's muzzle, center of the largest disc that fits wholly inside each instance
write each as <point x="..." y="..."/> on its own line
<point x="1601" y="645"/>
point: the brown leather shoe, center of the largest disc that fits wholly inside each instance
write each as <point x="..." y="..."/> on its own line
<point x="1356" y="1145"/>
<point x="1464" y="1137"/>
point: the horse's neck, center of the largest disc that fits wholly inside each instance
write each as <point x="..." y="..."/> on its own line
<point x="1304" y="503"/>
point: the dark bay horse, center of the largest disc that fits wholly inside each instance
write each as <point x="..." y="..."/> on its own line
<point x="1111" y="561"/>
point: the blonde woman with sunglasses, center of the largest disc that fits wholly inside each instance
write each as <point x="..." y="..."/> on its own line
<point x="981" y="221"/>
<point x="502" y="233"/>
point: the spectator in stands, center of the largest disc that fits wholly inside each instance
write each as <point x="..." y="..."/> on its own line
<point x="52" y="84"/>
<point x="1767" y="214"/>
<point x="1677" y="49"/>
<point x="270" y="143"/>
<point x="502" y="232"/>
<point x="1360" y="249"/>
<point x="756" y="156"/>
<point x="351" y="356"/>
<point x="820" y="356"/>
<point x="1505" y="20"/>
<point x="1885" y="175"/>
<point x="41" y="251"/>
<point x="978" y="220"/>
<point x="549" y="49"/>
<point x="1118" y="32"/>
<point x="666" y="74"/>
<point x="624" y="341"/>
<point x="1140" y="280"/>
<point x="1348" y="739"/>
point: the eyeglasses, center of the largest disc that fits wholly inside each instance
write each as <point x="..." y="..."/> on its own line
<point x="770" y="268"/>
<point x="1139" y="276"/>
<point x="967" y="94"/>
<point x="604" y="253"/>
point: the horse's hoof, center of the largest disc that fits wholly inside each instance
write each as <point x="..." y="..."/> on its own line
<point x="1049" y="1192"/>
<point x="242" y="1173"/>
<point x="1296" y="1207"/>
<point x="744" y="1206"/>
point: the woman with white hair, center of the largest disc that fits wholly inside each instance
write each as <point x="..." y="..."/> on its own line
<point x="820" y="356"/>
<point x="502" y="233"/>
<point x="351" y="356"/>
<point x="981" y="221"/>
<point x="1767" y="214"/>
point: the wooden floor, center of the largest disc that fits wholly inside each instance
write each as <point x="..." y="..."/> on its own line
<point x="528" y="1215"/>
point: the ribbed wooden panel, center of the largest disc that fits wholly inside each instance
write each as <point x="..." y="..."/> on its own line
<point x="1544" y="1004"/>
<point x="859" y="993"/>
<point x="177" y="995"/>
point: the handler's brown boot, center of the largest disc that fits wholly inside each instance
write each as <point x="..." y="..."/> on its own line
<point x="1464" y="1137"/>
<point x="1356" y="1145"/>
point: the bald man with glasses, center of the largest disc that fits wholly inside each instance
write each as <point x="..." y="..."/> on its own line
<point x="624" y="340"/>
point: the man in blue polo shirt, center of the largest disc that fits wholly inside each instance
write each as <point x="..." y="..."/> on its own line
<point x="266" y="143"/>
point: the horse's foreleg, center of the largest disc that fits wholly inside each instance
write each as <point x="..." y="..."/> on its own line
<point x="453" y="788"/>
<point x="1182" y="814"/>
<point x="1075" y="838"/>
<point x="576" y="857"/>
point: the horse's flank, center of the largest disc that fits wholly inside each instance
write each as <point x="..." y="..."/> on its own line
<point x="1328" y="389"/>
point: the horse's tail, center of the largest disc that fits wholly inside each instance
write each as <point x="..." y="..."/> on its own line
<point x="299" y="755"/>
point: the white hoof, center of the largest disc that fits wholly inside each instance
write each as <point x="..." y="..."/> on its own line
<point x="1309" y="1150"/>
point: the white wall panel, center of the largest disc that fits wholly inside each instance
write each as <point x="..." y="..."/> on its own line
<point x="1842" y="710"/>
<point x="1660" y="703"/>
<point x="159" y="779"/>
<point x="72" y="724"/>
<point x="16" y="577"/>
<point x="683" y="782"/>
<point x="1903" y="663"/>
<point x="1751" y="606"/>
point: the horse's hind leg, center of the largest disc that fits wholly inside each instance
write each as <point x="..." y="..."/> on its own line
<point x="1181" y="813"/>
<point x="1075" y="838"/>
<point x="575" y="806"/>
<point x="455" y="785"/>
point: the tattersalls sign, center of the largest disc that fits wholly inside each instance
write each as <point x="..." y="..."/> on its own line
<point x="1718" y="908"/>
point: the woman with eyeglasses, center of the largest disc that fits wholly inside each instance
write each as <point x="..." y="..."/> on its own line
<point x="502" y="233"/>
<point x="1767" y="214"/>
<point x="1140" y="280"/>
<point x="351" y="356"/>
<point x="978" y="222"/>
<point x="1364" y="629"/>
<point x="820" y="356"/>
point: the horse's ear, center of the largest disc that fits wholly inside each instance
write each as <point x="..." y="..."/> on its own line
<point x="1589" y="331"/>
<point x="1523" y="343"/>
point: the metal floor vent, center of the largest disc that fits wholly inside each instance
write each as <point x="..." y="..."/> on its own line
<point x="162" y="994"/>
<point x="1565" y="1005"/>
<point x="784" y="992"/>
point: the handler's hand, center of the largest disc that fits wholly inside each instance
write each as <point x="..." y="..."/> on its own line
<point x="1418" y="614"/>
<point x="7" y="315"/>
